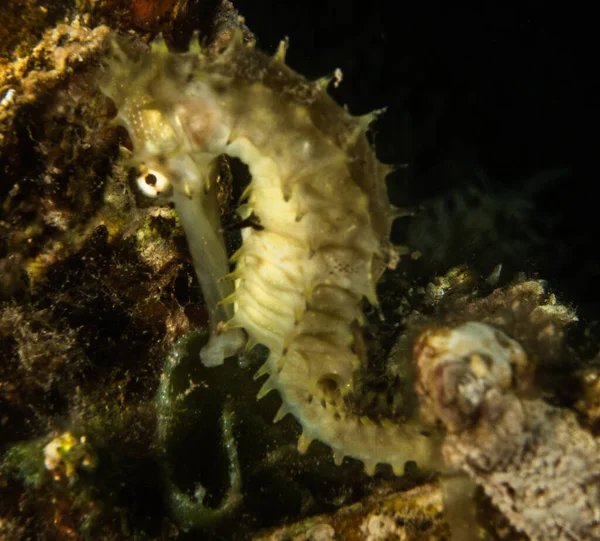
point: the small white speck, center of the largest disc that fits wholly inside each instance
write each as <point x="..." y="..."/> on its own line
<point x="306" y="148"/>
<point x="8" y="98"/>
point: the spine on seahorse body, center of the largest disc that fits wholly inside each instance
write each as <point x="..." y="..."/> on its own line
<point x="319" y="214"/>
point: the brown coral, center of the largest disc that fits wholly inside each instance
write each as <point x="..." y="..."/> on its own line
<point x="535" y="462"/>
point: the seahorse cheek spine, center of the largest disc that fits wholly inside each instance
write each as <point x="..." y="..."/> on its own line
<point x="322" y="217"/>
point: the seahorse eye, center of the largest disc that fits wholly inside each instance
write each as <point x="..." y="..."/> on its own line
<point x="152" y="183"/>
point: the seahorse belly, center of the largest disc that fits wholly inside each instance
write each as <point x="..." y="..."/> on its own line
<point x="299" y="289"/>
<point x="320" y="234"/>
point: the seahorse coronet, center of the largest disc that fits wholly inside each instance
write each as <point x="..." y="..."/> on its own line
<point x="319" y="195"/>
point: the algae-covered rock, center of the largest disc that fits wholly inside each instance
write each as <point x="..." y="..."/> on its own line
<point x="93" y="289"/>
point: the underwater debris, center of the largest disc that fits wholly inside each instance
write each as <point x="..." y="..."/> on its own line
<point x="191" y="511"/>
<point x="538" y="465"/>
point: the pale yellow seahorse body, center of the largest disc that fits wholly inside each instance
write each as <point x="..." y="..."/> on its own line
<point x="321" y="224"/>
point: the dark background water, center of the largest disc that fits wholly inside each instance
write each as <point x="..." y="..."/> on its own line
<point x="494" y="109"/>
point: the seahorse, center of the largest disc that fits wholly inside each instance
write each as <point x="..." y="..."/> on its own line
<point x="318" y="224"/>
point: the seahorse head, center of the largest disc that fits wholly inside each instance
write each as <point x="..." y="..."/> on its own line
<point x="172" y="114"/>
